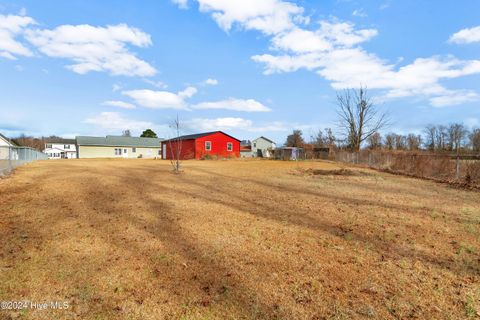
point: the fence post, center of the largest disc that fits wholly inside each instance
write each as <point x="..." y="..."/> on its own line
<point x="9" y="158"/>
<point x="457" y="168"/>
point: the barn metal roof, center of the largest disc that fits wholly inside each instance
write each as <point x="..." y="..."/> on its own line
<point x="118" y="141"/>
<point x="199" y="135"/>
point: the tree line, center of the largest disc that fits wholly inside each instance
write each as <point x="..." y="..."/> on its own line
<point x="451" y="138"/>
<point x="360" y="123"/>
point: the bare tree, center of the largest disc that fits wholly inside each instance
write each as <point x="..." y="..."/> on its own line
<point x="475" y="139"/>
<point x="358" y="116"/>
<point x="375" y="141"/>
<point x="175" y="145"/>
<point x="322" y="139"/>
<point x="456" y="136"/>
<point x="295" y="139"/>
<point x="414" y="142"/>
<point x="318" y="140"/>
<point x="329" y="138"/>
<point x="430" y="135"/>
<point x="400" y="142"/>
<point x="441" y="137"/>
<point x="390" y="141"/>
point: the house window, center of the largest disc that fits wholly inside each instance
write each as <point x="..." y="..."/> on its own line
<point x="48" y="146"/>
<point x="229" y="146"/>
<point x="125" y="151"/>
<point x="134" y="150"/>
<point x="118" y="152"/>
<point x="208" y="145"/>
<point x="254" y="144"/>
<point x="159" y="152"/>
<point x="66" y="146"/>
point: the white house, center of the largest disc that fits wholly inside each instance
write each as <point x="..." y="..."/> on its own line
<point x="58" y="148"/>
<point x="118" y="147"/>
<point x="6" y="152"/>
<point x="5" y="142"/>
<point x="261" y="147"/>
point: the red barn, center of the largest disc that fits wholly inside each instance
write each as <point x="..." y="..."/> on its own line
<point x="196" y="146"/>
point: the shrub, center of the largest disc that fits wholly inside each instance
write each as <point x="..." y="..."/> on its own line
<point x="206" y="157"/>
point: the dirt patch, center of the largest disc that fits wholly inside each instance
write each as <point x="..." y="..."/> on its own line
<point x="126" y="239"/>
<point x="332" y="172"/>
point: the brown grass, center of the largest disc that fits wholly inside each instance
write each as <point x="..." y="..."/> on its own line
<point x="127" y="239"/>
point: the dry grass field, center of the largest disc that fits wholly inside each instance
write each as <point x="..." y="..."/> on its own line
<point x="127" y="239"/>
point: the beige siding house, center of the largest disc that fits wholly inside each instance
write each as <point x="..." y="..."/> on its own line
<point x="118" y="147"/>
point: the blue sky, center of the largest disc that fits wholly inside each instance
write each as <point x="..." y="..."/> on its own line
<point x="246" y="67"/>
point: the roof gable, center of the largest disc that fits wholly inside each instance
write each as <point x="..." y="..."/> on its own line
<point x="7" y="140"/>
<point x="266" y="139"/>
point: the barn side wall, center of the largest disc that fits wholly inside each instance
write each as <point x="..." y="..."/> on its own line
<point x="219" y="146"/>
<point x="187" y="149"/>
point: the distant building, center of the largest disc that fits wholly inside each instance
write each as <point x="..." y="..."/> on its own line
<point x="246" y="149"/>
<point x="289" y="153"/>
<point x="260" y="147"/>
<point x="202" y="145"/>
<point x="59" y="148"/>
<point x="118" y="147"/>
<point x="5" y="142"/>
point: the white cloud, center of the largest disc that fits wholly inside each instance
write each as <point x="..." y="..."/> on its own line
<point x="344" y="34"/>
<point x="161" y="99"/>
<point x="327" y="37"/>
<point x="300" y="40"/>
<point x="116" y="87"/>
<point x="333" y="51"/>
<point x="113" y="121"/>
<point x="454" y="97"/>
<point x="248" y="105"/>
<point x="156" y="84"/>
<point x="182" y="4"/>
<point x="200" y="124"/>
<point x="12" y="26"/>
<point x="359" y="13"/>
<point x="119" y="104"/>
<point x="472" y="122"/>
<point x="467" y="35"/>
<point x="347" y="65"/>
<point x="211" y="82"/>
<point x="267" y="16"/>
<point x="229" y="123"/>
<point x="95" y="48"/>
<point x="188" y="92"/>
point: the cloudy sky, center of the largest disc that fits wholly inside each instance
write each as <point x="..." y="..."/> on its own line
<point x="247" y="67"/>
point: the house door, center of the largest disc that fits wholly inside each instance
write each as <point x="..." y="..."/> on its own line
<point x="125" y="153"/>
<point x="164" y="152"/>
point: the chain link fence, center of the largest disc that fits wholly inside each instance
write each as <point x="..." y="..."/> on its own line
<point x="12" y="157"/>
<point x="443" y="167"/>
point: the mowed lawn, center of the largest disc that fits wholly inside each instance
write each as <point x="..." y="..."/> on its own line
<point x="127" y="239"/>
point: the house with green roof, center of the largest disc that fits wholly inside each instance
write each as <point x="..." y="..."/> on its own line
<point x="118" y="147"/>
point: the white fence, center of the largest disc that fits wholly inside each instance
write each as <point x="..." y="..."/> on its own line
<point x="12" y="157"/>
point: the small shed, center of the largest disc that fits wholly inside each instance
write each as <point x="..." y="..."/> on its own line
<point x="289" y="153"/>
<point x="202" y="145"/>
